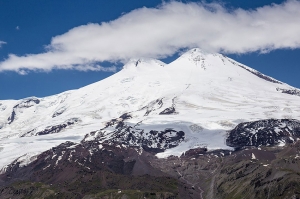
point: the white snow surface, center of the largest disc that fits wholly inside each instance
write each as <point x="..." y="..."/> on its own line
<point x="210" y="92"/>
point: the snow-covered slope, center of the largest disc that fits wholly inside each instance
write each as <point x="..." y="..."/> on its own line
<point x="200" y="94"/>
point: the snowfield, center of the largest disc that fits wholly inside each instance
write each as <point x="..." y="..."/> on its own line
<point x="204" y="95"/>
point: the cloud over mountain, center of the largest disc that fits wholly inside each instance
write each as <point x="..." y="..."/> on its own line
<point x="162" y="31"/>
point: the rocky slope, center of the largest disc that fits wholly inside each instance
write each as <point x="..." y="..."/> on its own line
<point x="124" y="167"/>
<point x="95" y="170"/>
<point x="266" y="172"/>
<point x="264" y="133"/>
<point x="91" y="170"/>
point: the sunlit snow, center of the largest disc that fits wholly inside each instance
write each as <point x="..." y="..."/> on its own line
<point x="210" y="92"/>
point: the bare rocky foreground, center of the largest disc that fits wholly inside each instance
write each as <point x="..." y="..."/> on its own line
<point x="125" y="167"/>
<point x="92" y="170"/>
<point x="89" y="171"/>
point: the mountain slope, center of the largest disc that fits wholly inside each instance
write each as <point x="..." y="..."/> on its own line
<point x="203" y="95"/>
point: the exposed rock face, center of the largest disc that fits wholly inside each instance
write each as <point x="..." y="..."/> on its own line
<point x="135" y="136"/>
<point x="11" y="117"/>
<point x="53" y="129"/>
<point x="59" y="112"/>
<point x="26" y="103"/>
<point x="289" y="91"/>
<point x="264" y="132"/>
<point x="168" y="111"/>
<point x="157" y="104"/>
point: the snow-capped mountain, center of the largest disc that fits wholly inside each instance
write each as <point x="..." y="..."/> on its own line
<point x="167" y="108"/>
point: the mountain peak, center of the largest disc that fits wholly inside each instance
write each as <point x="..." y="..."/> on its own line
<point x="198" y="55"/>
<point x="143" y="62"/>
<point x="195" y="52"/>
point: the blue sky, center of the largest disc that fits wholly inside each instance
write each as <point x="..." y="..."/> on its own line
<point x="49" y="47"/>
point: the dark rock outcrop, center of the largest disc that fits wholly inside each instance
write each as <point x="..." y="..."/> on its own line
<point x="264" y="132"/>
<point x="53" y="129"/>
<point x="152" y="106"/>
<point x="11" y="117"/>
<point x="59" y="112"/>
<point x="26" y="103"/>
<point x="289" y="91"/>
<point x="134" y="136"/>
<point x="168" y="111"/>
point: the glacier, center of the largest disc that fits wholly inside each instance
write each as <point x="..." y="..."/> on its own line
<point x="202" y="94"/>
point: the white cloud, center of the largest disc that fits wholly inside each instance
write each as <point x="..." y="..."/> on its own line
<point x="162" y="31"/>
<point x="1" y="43"/>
